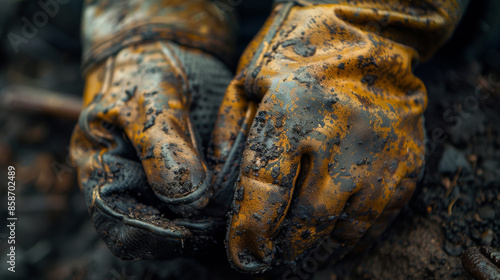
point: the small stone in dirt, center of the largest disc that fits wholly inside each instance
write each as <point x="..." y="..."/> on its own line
<point x="452" y="249"/>
<point x="487" y="237"/>
<point x="487" y="212"/>
<point x="452" y="160"/>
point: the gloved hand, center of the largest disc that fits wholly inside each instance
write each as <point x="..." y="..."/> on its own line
<point x="153" y="86"/>
<point x="337" y="144"/>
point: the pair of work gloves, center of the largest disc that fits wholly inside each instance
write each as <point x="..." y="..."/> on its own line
<point x="318" y="137"/>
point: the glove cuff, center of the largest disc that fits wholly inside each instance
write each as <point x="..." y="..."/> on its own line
<point x="110" y="26"/>
<point x="410" y="23"/>
<point x="307" y="2"/>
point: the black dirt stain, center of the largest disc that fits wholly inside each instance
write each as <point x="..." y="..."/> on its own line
<point x="301" y="48"/>
<point x="130" y="93"/>
<point x="369" y="79"/>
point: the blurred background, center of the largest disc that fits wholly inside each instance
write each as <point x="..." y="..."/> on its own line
<point x="455" y="207"/>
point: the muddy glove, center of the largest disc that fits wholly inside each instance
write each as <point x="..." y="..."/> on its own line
<point x="154" y="81"/>
<point x="482" y="263"/>
<point x="337" y="143"/>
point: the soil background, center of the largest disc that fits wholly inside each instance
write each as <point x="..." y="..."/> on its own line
<point x="456" y="206"/>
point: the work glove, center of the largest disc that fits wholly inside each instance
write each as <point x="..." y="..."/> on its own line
<point x="482" y="263"/>
<point x="336" y="146"/>
<point x="155" y="75"/>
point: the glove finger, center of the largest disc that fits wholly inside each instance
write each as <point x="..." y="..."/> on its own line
<point x="399" y="199"/>
<point x="366" y="209"/>
<point x="324" y="205"/>
<point x="316" y="205"/>
<point x="268" y="175"/>
<point x="235" y="117"/>
<point x="161" y="130"/>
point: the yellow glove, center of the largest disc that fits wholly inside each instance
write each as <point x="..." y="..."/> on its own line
<point x="154" y="81"/>
<point x="337" y="143"/>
